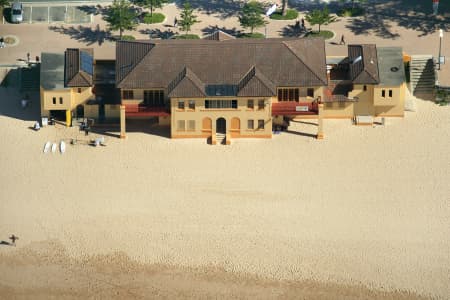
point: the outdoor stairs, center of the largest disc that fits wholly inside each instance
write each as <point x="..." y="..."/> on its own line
<point x="422" y="76"/>
<point x="29" y="78"/>
<point x="220" y="138"/>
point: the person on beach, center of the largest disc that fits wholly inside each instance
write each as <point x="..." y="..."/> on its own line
<point x="13" y="239"/>
<point x="303" y="23"/>
<point x="342" y="40"/>
<point x="175" y="22"/>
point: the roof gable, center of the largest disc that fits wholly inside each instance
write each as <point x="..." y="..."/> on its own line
<point x="363" y="64"/>
<point x="219" y="35"/>
<point x="186" y="84"/>
<point x="254" y="83"/>
<point x="78" y="70"/>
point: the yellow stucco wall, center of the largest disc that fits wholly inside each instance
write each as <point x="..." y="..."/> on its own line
<point x="364" y="105"/>
<point x="112" y="111"/>
<point x="47" y="100"/>
<point x="242" y="113"/>
<point x="79" y="98"/>
<point x="338" y="110"/>
<point x="389" y="106"/>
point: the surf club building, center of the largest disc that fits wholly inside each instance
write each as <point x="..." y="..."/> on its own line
<point x="221" y="88"/>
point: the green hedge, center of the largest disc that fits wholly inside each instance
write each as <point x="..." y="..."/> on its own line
<point x="324" y="33"/>
<point x="155" y="18"/>
<point x="186" y="37"/>
<point x="128" y="38"/>
<point x="254" y="35"/>
<point x="291" y="14"/>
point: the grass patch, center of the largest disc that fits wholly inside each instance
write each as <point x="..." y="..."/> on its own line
<point x="254" y="35"/>
<point x="155" y="18"/>
<point x="186" y="37"/>
<point x="291" y="14"/>
<point x="124" y="38"/>
<point x="324" y="34"/>
<point x="351" y="12"/>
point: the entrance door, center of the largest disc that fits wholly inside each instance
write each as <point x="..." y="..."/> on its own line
<point x="80" y="111"/>
<point x="221" y="125"/>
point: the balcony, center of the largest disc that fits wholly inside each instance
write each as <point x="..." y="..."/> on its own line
<point x="139" y="110"/>
<point x="293" y="108"/>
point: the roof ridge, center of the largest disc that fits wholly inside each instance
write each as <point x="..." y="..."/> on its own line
<point x="285" y="43"/>
<point x="191" y="76"/>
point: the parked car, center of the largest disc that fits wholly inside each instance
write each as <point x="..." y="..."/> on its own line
<point x="16" y="12"/>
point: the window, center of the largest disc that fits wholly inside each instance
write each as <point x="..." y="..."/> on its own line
<point x="260" y="104"/>
<point x="260" y="124"/>
<point x="191" y="125"/>
<point x="365" y="88"/>
<point x="180" y="104"/>
<point x="192" y="104"/>
<point x="180" y="125"/>
<point x="212" y="104"/>
<point x="60" y="100"/>
<point x="383" y="93"/>
<point x="128" y="94"/>
<point x="250" y="104"/>
<point x="154" y="98"/>
<point x="54" y="100"/>
<point x="288" y="94"/>
<point x="250" y="124"/>
<point x="390" y="93"/>
<point x="310" y="92"/>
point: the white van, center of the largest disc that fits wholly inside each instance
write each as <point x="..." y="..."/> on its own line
<point x="16" y="12"/>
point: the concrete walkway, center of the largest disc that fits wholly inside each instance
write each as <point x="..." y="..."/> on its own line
<point x="37" y="38"/>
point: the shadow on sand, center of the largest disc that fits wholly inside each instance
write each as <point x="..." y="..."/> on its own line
<point x="222" y="8"/>
<point x="10" y="105"/>
<point x="231" y="31"/>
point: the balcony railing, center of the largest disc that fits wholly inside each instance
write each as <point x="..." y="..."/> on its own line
<point x="143" y="110"/>
<point x="295" y="108"/>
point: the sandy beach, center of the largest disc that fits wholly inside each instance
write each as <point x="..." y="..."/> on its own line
<point x="362" y="214"/>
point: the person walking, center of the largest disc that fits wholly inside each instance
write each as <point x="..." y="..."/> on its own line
<point x="13" y="238"/>
<point x="342" y="40"/>
<point x="303" y="23"/>
<point x="175" y="22"/>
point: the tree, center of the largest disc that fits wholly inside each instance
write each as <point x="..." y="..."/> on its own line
<point x="187" y="17"/>
<point x="320" y="17"/>
<point x="120" y="16"/>
<point x="284" y="7"/>
<point x="251" y="16"/>
<point x="152" y="4"/>
<point x="353" y="2"/>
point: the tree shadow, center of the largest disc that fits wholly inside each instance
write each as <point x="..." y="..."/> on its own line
<point x="84" y="34"/>
<point x="293" y="31"/>
<point x="231" y="31"/>
<point x="222" y="8"/>
<point x="158" y="33"/>
<point x="412" y="14"/>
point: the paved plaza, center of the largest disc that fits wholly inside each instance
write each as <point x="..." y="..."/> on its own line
<point x="408" y="24"/>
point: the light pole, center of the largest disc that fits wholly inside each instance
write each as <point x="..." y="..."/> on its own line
<point x="441" y="35"/>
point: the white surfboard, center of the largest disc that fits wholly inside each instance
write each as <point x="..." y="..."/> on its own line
<point x="54" y="148"/>
<point x="62" y="147"/>
<point x="47" y="147"/>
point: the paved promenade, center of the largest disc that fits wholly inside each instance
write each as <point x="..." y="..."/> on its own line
<point x="416" y="32"/>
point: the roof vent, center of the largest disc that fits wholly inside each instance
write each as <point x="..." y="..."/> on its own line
<point x="394" y="69"/>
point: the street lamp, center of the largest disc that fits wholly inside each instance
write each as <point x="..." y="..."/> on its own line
<point x="441" y="35"/>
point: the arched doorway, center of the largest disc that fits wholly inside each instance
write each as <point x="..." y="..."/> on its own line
<point x="80" y="111"/>
<point x="221" y="126"/>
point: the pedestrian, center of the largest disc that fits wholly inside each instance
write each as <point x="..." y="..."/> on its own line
<point x="297" y="25"/>
<point x="13" y="238"/>
<point x="175" y="22"/>
<point x="2" y="42"/>
<point x="28" y="57"/>
<point x="303" y="23"/>
<point x="342" y="40"/>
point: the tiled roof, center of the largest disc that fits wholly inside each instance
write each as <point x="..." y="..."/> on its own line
<point x="279" y="62"/>
<point x="186" y="84"/>
<point x="254" y="83"/>
<point x="74" y="74"/>
<point x="390" y="66"/>
<point x="363" y="64"/>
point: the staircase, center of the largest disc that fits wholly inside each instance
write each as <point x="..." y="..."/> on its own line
<point x="422" y="76"/>
<point x="220" y="137"/>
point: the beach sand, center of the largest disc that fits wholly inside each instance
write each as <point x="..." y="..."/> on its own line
<point x="363" y="213"/>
